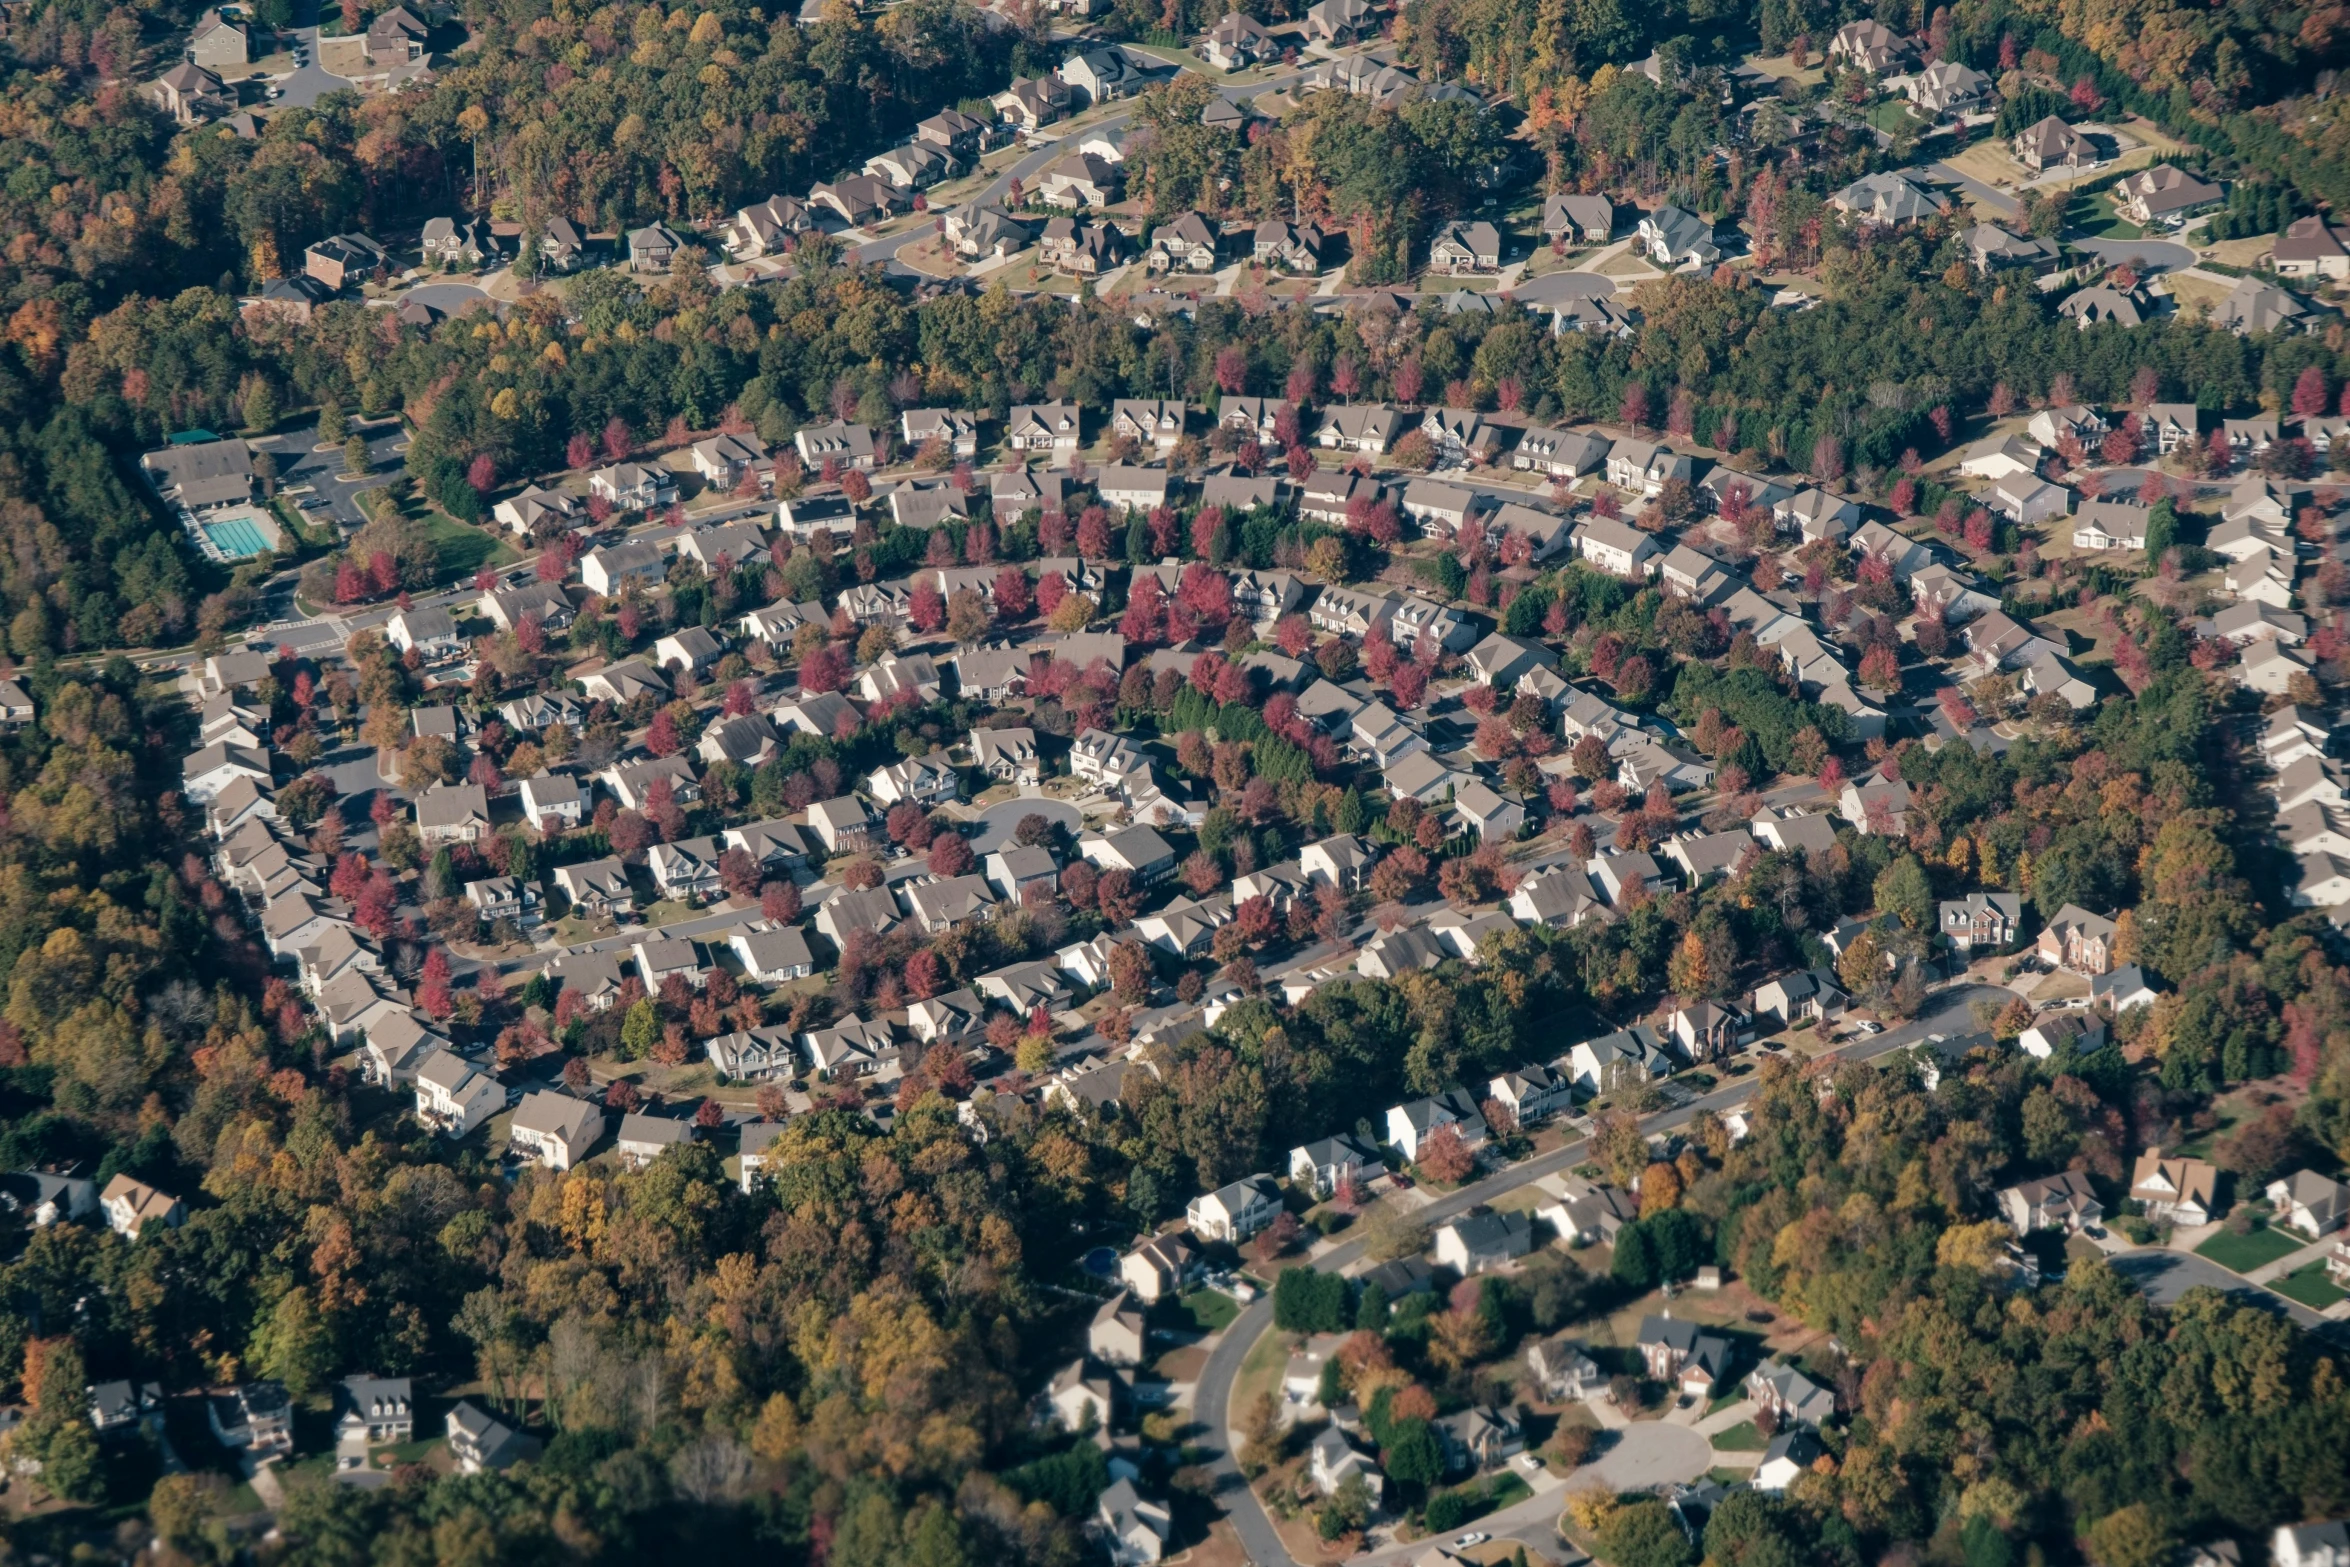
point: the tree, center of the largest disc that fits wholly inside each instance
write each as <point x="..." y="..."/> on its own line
<point x="1444" y="1157"/>
<point x="1389" y="1234"/>
<point x="1902" y="889"/>
<point x="1644" y="1533"/>
<point x="1412" y="1453"/>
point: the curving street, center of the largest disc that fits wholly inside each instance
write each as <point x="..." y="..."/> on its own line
<point x="1946" y="1011"/>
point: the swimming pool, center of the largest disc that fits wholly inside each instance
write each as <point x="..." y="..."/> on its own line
<point x="238" y="537"/>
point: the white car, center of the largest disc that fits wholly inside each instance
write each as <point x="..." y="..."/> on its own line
<point x="1530" y="1462"/>
<point x="1467" y="1540"/>
<point x="1864" y="1030"/>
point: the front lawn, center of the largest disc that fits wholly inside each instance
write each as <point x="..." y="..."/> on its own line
<point x="1740" y="1438"/>
<point x="465" y="550"/>
<point x="2311" y="1285"/>
<point x="1203" y="1311"/>
<point x="2243" y="1253"/>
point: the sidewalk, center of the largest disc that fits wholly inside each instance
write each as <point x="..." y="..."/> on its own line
<point x="2292" y="1262"/>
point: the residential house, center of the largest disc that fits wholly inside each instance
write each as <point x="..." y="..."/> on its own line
<point x="555" y="1129"/>
<point x="1562" y="1370"/>
<point x="597" y="888"/>
<point x="2050" y="146"/>
<point x="1615" y="547"/>
<point x="130" y="1206"/>
<point x="1480" y="1242"/>
<point x="2181" y="1190"/>
<point x="2310" y="248"/>
<point x="1033" y="102"/>
<point x="1465" y="247"/>
<point x="1792" y="1398"/>
<point x="2064" y="1201"/>
<point x="1673" y="237"/>
<point x="1876" y="805"/>
<point x="1867" y="46"/>
<point x="1134" y="1529"/>
<point x="1589" y="1213"/>
<point x="2165" y="194"/>
<point x="371" y="1412"/>
<point x="770" y="226"/>
<point x="644" y="1138"/>
<point x="1160" y="1267"/>
<point x="1646" y="467"/>
<point x="653" y="247"/>
<point x="256" y="1417"/>
<point x="190" y="94"/>
<point x="1797" y="995"/>
<point x="1368" y="428"/>
<point x="1231" y="1214"/>
<point x="1327" y="1163"/>
<point x="1409" y="1125"/>
<point x="1683" y="1355"/>
<point x="2078" y="940"/>
<point x="1117" y="1335"/>
<point x="1042" y="427"/>
<point x="2309" y="1202"/>
<point x="1586" y="220"/>
<point x="1981" y="921"/>
<point x="1236" y="42"/>
<point x="1480" y="1437"/>
<point x="835" y="447"/>
<point x="1789" y="1455"/>
<point x="482" y="1444"/>
<point x="2054" y="1031"/>
<point x="2121" y="989"/>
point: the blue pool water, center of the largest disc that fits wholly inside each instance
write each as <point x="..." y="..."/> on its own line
<point x="236" y="538"/>
<point x="1101" y="1262"/>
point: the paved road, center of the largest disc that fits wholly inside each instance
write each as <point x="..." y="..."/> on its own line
<point x="2166" y="1275"/>
<point x="1211" y="1402"/>
<point x="2147" y="255"/>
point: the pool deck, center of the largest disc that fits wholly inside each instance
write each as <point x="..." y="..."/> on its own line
<point x="235" y="521"/>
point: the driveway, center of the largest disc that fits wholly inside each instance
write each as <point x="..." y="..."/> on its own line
<point x="1998" y="201"/>
<point x="999" y="821"/>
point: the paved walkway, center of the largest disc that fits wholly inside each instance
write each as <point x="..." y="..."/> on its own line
<point x="1722" y="1420"/>
<point x="2292" y="1262"/>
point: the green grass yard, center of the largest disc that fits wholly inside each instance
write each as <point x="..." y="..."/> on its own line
<point x="1204" y="1311"/>
<point x="465" y="550"/>
<point x="1740" y="1438"/>
<point x="2243" y="1253"/>
<point x="2311" y="1285"/>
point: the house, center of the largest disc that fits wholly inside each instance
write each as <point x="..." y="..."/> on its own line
<point x="1867" y="46"/>
<point x="1160" y="1267"/>
<point x="1889" y="199"/>
<point x="1563" y="454"/>
<point x="2121" y="989"/>
<point x="190" y="94"/>
<point x="1493" y="817"/>
<point x="957" y="433"/>
<point x="644" y="1138"/>
<point x="2311" y="1545"/>
<point x="1116" y="1334"/>
<point x="205" y="774"/>
<point x="1189" y="243"/>
<point x="1139" y="851"/>
<point x="1706" y="1031"/>
<point x="761" y="230"/>
<point x="1409" y="1125"/>
<point x="1259" y="417"/>
<point x="2110" y="525"/>
<point x="1236" y="42"/>
<point x="1368" y="428"/>
<point x="1332" y="1458"/>
<point x="1292" y="247"/>
<point x="118" y="1409"/>
<point x="915" y="165"/>
<point x="1563" y="1371"/>
<point x="1231" y="1214"/>
<point x="1618" y="875"/>
<point x="1392" y="954"/>
<point x="1796" y="995"/>
<point x="1646" y="467"/>
<point x="1134" y="1530"/>
<point x="1790" y="1396"/>
<point x="1103" y="74"/>
<point x="43" y="1197"/>
<point x="2183" y="1191"/>
<point x="2078" y="940"/>
<point x="1481" y="1242"/>
<point x="555" y="1129"/>
<point x="2029" y="500"/>
<point x="2064" y="1201"/>
<point x="1991" y="247"/>
<point x="429" y="633"/>
<point x="2310" y="247"/>
<point x="1032" y="102"/>
<point x="2054" y="1031"/>
<point x="219" y="42"/>
<point x="1683" y="1355"/>
<point x="1980" y="920"/>
<point x="1343" y="861"/>
<point x="835" y="447"/>
<point x="2164" y="194"/>
<point x="1944" y="90"/>
<point x="1327" y="1163"/>
<point x="1465" y="247"/>
<point x="756" y="1055"/>
<point x="2051" y="145"/>
<point x="1480" y="1437"/>
<point x="1878" y="805"/>
<point x="1674" y="237"/>
<point x="481" y="1444"/>
<point x="1340" y="21"/>
<point x="452" y="1096"/>
<point x="2309" y="1202"/>
<point x="371" y="1412"/>
<point x="2254" y="307"/>
<point x="130" y="1206"/>
<point x="853" y="1048"/>
<point x="1615" y="547"/>
<point x="1042" y="427"/>
<point x="953" y="131"/>
<point x="1704" y="856"/>
<point x="1587" y="220"/>
<point x="503" y="898"/>
<point x="860" y="199"/>
<point x="453" y="813"/>
<point x="1559" y="897"/>
<point x="1789" y="1454"/>
<point x="256" y="1416"/>
<point x="1006" y="754"/>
